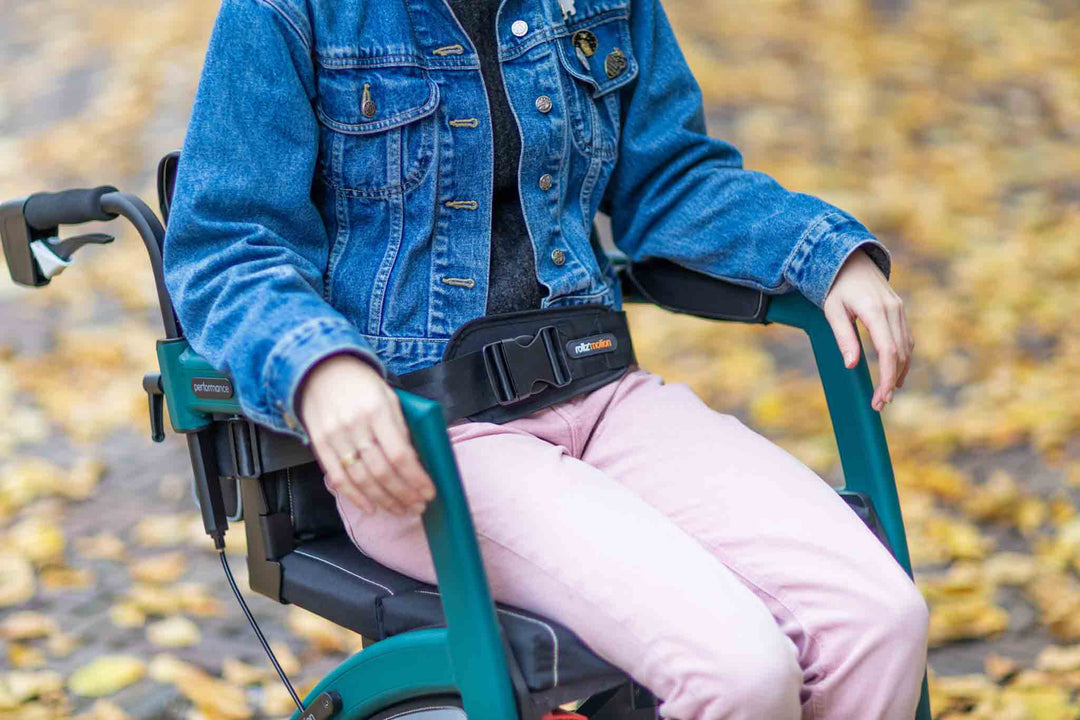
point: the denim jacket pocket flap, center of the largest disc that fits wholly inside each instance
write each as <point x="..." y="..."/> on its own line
<point x="598" y="51"/>
<point x="363" y="100"/>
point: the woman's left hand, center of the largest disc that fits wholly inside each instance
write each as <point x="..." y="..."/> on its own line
<point x="861" y="291"/>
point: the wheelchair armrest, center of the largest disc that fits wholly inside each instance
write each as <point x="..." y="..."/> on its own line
<point x="679" y="289"/>
<point x="474" y="635"/>
<point x="860" y="435"/>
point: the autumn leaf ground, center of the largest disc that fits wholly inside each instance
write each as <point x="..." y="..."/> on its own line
<point x="949" y="128"/>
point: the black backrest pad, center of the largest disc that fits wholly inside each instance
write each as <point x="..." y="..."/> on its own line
<point x="301" y="492"/>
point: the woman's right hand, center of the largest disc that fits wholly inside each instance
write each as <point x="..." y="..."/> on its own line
<point x="348" y="411"/>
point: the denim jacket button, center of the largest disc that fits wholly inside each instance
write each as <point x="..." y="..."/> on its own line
<point x="519" y="28"/>
<point x="290" y="420"/>
<point x="546" y="181"/>
<point x="543" y="104"/>
<point x="558" y="256"/>
<point x="367" y="105"/>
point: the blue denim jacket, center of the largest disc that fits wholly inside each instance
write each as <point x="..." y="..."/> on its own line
<point x="335" y="182"/>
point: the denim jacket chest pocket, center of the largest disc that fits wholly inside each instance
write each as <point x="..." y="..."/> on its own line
<point x="597" y="57"/>
<point x="379" y="131"/>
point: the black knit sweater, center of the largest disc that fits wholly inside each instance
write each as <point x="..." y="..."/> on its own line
<point x="512" y="283"/>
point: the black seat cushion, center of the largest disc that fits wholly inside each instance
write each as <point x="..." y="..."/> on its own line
<point x="332" y="578"/>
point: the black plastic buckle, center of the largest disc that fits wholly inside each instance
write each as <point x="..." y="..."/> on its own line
<point x="513" y="367"/>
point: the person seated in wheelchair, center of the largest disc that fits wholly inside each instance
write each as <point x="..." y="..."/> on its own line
<point x="368" y="188"/>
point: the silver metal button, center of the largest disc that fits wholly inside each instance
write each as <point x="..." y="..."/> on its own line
<point x="519" y="28"/>
<point x="546" y="181"/>
<point x="543" y="104"/>
<point x="558" y="256"/>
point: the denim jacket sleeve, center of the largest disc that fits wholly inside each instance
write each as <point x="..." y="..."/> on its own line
<point x="679" y="194"/>
<point x="246" y="249"/>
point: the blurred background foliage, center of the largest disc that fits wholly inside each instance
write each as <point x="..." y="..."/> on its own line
<point x="949" y="128"/>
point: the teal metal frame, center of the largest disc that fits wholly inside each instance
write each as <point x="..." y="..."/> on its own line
<point x="468" y="656"/>
<point x="859" y="432"/>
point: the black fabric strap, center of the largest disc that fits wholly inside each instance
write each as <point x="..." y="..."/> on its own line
<point x="461" y="384"/>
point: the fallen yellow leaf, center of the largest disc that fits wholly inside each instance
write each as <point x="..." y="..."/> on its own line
<point x="173" y="632"/>
<point x="103" y="546"/>
<point x="106" y="674"/>
<point x="23" y="656"/>
<point x="159" y="569"/>
<point x="66" y="578"/>
<point x="19" y="686"/>
<point x="39" y="540"/>
<point x="27" y="625"/>
<point x="238" y="672"/>
<point x="213" y="697"/>
<point x="103" y="710"/>
<point x="1059" y="659"/>
<point x="127" y="615"/>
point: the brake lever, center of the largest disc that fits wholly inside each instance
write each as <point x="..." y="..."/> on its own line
<point x="53" y="254"/>
<point x="66" y="248"/>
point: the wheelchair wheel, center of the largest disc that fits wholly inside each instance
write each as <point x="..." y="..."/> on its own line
<point x="436" y="707"/>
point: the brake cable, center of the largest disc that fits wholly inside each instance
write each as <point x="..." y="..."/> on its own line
<point x="258" y="631"/>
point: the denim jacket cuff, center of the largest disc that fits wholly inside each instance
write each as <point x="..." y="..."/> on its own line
<point x="296" y="353"/>
<point x="822" y="250"/>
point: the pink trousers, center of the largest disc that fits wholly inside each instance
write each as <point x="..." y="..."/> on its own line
<point x="681" y="546"/>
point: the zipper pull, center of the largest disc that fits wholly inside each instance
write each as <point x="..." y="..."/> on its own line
<point x="568" y="8"/>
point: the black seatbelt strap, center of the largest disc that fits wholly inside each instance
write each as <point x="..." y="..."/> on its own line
<point x="499" y="367"/>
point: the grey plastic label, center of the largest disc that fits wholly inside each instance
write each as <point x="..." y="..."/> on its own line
<point x="212" y="388"/>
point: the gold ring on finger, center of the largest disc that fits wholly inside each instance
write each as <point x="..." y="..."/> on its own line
<point x="351" y="458"/>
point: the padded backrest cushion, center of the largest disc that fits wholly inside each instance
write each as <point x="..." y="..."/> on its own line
<point x="301" y="492"/>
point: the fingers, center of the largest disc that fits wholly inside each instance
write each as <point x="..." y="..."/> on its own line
<point x="336" y="480"/>
<point x="395" y="409"/>
<point x="385" y="467"/>
<point x="861" y="290"/>
<point x="877" y="323"/>
<point x="909" y="343"/>
<point x="402" y="457"/>
<point x="844" y="330"/>
<point x="894" y="314"/>
<point x="366" y="473"/>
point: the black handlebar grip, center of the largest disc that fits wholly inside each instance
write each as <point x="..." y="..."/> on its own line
<point x="44" y="211"/>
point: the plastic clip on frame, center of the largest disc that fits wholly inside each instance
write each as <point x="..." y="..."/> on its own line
<point x="469" y="656"/>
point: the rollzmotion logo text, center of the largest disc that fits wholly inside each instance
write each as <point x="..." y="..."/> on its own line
<point x="593" y="345"/>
